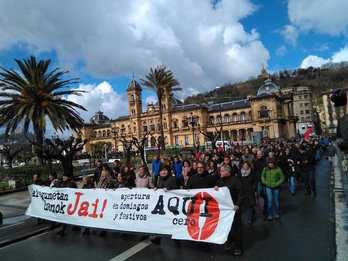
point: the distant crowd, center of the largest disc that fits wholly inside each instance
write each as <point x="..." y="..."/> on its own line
<point x="253" y="175"/>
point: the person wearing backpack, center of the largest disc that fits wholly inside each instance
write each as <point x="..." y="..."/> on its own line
<point x="272" y="177"/>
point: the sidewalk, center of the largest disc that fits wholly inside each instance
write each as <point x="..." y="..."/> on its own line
<point x="341" y="211"/>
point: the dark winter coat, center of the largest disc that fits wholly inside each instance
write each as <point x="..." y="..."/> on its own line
<point x="259" y="165"/>
<point x="169" y="182"/>
<point x="205" y="180"/>
<point x="96" y="176"/>
<point x="288" y="165"/>
<point x="234" y="185"/>
<point x="307" y="161"/>
<point x="249" y="187"/>
<point x="68" y="184"/>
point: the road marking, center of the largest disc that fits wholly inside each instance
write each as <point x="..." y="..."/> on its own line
<point x="132" y="251"/>
<point x="12" y="225"/>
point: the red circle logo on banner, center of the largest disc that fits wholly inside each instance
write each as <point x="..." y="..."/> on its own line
<point x="206" y="210"/>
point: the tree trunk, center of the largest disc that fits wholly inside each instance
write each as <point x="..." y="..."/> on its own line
<point x="68" y="168"/>
<point x="39" y="141"/>
<point x="161" y="124"/>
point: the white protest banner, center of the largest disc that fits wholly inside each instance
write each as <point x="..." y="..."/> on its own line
<point x="198" y="214"/>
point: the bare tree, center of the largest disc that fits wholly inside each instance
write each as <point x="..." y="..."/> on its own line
<point x="213" y="137"/>
<point x="141" y="145"/>
<point x="62" y="150"/>
<point x="127" y="148"/>
<point x="10" y="154"/>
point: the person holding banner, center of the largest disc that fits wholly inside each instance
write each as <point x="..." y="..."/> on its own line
<point x="232" y="182"/>
<point x="66" y="183"/>
<point x="202" y="179"/>
<point x="165" y="182"/>
<point x="143" y="179"/>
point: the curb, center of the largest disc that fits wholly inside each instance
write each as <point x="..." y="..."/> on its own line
<point x="14" y="190"/>
<point x="26" y="236"/>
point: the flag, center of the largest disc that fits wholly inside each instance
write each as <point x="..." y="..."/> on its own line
<point x="309" y="131"/>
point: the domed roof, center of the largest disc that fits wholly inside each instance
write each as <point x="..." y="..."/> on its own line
<point x="133" y="85"/>
<point x="268" y="88"/>
<point x="98" y="118"/>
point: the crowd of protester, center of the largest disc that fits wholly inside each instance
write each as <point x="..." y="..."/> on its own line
<point x="253" y="174"/>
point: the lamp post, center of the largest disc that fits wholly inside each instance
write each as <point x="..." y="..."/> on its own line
<point x="114" y="131"/>
<point x="193" y="130"/>
<point x="271" y="117"/>
<point x="217" y="88"/>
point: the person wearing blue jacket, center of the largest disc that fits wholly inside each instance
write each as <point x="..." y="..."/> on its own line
<point x="156" y="166"/>
<point x="177" y="166"/>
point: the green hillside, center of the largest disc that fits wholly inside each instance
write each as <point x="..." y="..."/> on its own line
<point x="330" y="76"/>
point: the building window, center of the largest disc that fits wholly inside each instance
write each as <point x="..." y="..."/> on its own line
<point x="300" y="97"/>
<point x="108" y="133"/>
<point x="302" y="118"/>
<point x="152" y="126"/>
<point x="234" y="117"/>
<point x="132" y="98"/>
<point x="176" y="140"/>
<point x="153" y="142"/>
<point x="243" y="116"/>
<point x="95" y="134"/>
<point x="306" y="104"/>
<point x="308" y="118"/>
<point x="243" y="134"/>
<point x="234" y="135"/>
<point x="301" y="112"/>
<point x="186" y="140"/>
<point x="165" y="125"/>
<point x="175" y="124"/>
<point x="145" y="128"/>
<point x="99" y="134"/>
<point x="307" y="111"/>
<point x="301" y="104"/>
<point x="211" y="120"/>
<point x="226" y="118"/>
<point x="250" y="116"/>
<point x="185" y="122"/>
<point x="263" y="112"/>
<point x="218" y="119"/>
<point x="123" y="130"/>
<point x="305" y="96"/>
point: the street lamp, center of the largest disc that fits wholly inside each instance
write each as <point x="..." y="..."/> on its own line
<point x="114" y="131"/>
<point x="217" y="88"/>
<point x="193" y="130"/>
<point x="271" y="117"/>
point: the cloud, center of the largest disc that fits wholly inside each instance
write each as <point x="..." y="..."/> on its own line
<point x="324" y="16"/>
<point x="203" y="45"/>
<point x="290" y="34"/>
<point x="313" y="60"/>
<point x="280" y="51"/>
<point x="101" y="97"/>
<point x="316" y="61"/>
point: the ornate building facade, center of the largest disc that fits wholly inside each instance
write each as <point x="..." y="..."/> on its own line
<point x="330" y="113"/>
<point x="269" y="113"/>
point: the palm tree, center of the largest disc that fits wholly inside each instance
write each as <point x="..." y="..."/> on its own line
<point x="35" y="94"/>
<point x="160" y="80"/>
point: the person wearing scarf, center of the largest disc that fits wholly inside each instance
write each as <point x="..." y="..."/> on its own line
<point x="248" y="181"/>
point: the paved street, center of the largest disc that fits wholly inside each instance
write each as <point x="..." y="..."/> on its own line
<point x="304" y="233"/>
